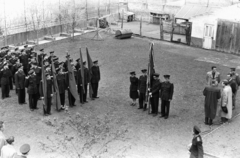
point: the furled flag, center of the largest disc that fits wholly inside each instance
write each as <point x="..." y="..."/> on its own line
<point x="150" y="73"/>
<point x="44" y="88"/>
<point x="71" y="80"/>
<point x="90" y="65"/>
<point x="56" y="96"/>
<point x="82" y="70"/>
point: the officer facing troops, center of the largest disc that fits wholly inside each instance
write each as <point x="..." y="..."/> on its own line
<point x="154" y="93"/>
<point x="95" y="79"/>
<point x="167" y="89"/>
<point x="31" y="85"/>
<point x="19" y="83"/>
<point x="213" y="75"/>
<point x="142" y="86"/>
<point x="133" y="88"/>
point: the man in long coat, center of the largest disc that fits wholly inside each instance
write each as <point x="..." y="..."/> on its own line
<point x="212" y="94"/>
<point x="226" y="101"/>
<point x="19" y="83"/>
<point x="155" y="92"/>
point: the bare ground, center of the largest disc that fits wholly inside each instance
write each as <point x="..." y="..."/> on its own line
<point x="110" y="127"/>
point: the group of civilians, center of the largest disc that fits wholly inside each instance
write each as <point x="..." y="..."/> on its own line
<point x="7" y="149"/>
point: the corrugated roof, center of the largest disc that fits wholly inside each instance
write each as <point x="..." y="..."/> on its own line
<point x="190" y="11"/>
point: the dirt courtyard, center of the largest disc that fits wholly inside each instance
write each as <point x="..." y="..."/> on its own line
<point x="109" y="127"/>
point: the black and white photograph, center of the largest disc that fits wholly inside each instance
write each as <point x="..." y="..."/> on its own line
<point x="119" y="78"/>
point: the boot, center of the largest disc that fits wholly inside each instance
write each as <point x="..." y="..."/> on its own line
<point x="210" y="122"/>
<point x="206" y="121"/>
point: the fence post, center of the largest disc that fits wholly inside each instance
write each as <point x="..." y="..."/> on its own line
<point x="161" y="28"/>
<point x="141" y="26"/>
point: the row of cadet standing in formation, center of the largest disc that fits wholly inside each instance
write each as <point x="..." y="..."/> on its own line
<point x="23" y="68"/>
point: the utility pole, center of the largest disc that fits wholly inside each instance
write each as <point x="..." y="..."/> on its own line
<point x="5" y="43"/>
<point x="25" y="18"/>
<point x="60" y="18"/>
<point x="86" y="11"/>
<point x="43" y="14"/>
<point x="98" y="9"/>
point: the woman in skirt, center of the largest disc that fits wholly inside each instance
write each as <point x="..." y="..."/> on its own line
<point x="133" y="88"/>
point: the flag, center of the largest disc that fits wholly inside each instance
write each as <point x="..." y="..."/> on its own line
<point x="90" y="65"/>
<point x="82" y="70"/>
<point x="71" y="80"/>
<point x="56" y="96"/>
<point x="44" y="89"/>
<point x="150" y="73"/>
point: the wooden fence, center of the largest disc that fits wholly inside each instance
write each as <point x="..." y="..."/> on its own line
<point x="228" y="37"/>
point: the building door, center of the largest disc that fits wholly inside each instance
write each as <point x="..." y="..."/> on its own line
<point x="208" y="36"/>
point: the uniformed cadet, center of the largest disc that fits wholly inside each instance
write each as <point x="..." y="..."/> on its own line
<point x="77" y="66"/>
<point x="62" y="85"/>
<point x="31" y="85"/>
<point x="19" y="83"/>
<point x="41" y="57"/>
<point x="24" y="150"/>
<point x="48" y="95"/>
<point x="5" y="73"/>
<point x="196" y="147"/>
<point x="38" y="72"/>
<point x="167" y="89"/>
<point x="154" y="93"/>
<point x="51" y="57"/>
<point x="24" y="61"/>
<point x="142" y="87"/>
<point x="95" y="79"/>
<point x="133" y="88"/>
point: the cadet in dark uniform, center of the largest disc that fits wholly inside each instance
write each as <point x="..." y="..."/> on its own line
<point x="30" y="83"/>
<point x="49" y="93"/>
<point x="196" y="148"/>
<point x="62" y="85"/>
<point x="24" y="61"/>
<point x="133" y="88"/>
<point x="167" y="89"/>
<point x="86" y="81"/>
<point x="41" y="57"/>
<point x="77" y="66"/>
<point x="154" y="93"/>
<point x="38" y="72"/>
<point x="95" y="79"/>
<point x="142" y="87"/>
<point x="5" y="73"/>
<point x="51" y="57"/>
<point x="19" y="83"/>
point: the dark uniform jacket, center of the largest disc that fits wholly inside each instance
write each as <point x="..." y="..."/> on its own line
<point x="233" y="85"/>
<point x="95" y="74"/>
<point x="197" y="148"/>
<point x="156" y="86"/>
<point x="142" y="84"/>
<point x="166" y="91"/>
<point x="30" y="83"/>
<point x="38" y="72"/>
<point x="134" y="84"/>
<point x="77" y="66"/>
<point x="20" y="79"/>
<point x="5" y="74"/>
<point x="40" y="58"/>
<point x="24" y="60"/>
<point x="49" y="88"/>
<point x="62" y="82"/>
